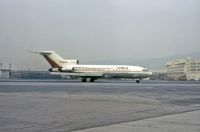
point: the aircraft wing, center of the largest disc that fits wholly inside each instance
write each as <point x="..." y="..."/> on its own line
<point x="97" y="75"/>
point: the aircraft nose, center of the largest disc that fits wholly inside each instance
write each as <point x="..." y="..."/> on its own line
<point x="150" y="73"/>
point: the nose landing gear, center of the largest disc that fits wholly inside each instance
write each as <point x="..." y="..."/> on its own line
<point x="137" y="81"/>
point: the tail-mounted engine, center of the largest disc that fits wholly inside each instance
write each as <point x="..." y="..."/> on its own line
<point x="73" y="61"/>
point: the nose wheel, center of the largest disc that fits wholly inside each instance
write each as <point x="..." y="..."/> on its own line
<point x="85" y="79"/>
<point x="137" y="81"/>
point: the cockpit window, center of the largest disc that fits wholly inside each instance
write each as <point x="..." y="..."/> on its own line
<point x="145" y="70"/>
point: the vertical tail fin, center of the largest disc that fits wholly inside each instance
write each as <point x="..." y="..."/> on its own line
<point x="54" y="59"/>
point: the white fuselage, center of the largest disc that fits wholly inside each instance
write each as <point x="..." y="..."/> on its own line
<point x="73" y="68"/>
<point x="104" y="71"/>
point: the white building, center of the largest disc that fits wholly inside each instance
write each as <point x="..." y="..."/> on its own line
<point x="4" y="73"/>
<point x="183" y="69"/>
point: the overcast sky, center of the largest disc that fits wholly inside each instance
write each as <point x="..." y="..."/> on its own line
<point x="97" y="29"/>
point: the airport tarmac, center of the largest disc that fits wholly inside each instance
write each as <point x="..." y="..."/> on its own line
<point x="64" y="106"/>
<point x="182" y="122"/>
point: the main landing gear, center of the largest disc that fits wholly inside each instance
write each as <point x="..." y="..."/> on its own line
<point x="92" y="79"/>
<point x="85" y="79"/>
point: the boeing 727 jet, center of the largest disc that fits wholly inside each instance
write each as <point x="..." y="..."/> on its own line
<point x="93" y="72"/>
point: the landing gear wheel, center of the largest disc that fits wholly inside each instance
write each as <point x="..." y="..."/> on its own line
<point x="84" y="80"/>
<point x="137" y="81"/>
<point x="92" y="79"/>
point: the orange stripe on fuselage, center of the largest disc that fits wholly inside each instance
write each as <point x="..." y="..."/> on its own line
<point x="51" y="62"/>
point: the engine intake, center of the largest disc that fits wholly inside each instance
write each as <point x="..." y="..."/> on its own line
<point x="72" y="61"/>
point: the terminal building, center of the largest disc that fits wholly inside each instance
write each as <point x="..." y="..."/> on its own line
<point x="4" y="73"/>
<point x="183" y="69"/>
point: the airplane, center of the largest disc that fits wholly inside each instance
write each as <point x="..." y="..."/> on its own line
<point x="71" y="67"/>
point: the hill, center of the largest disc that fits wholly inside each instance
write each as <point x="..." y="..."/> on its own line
<point x="152" y="63"/>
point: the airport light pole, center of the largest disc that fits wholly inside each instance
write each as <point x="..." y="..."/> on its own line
<point x="1" y="65"/>
<point x="10" y="65"/>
